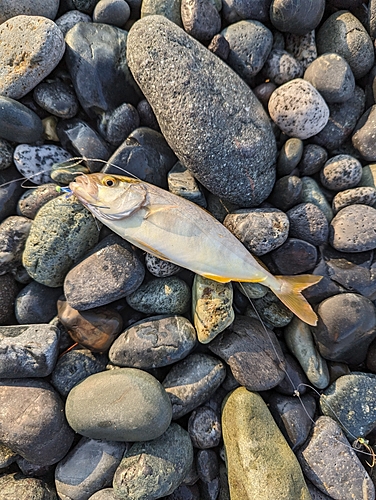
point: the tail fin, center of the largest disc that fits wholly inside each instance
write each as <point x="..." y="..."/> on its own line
<point x="290" y="295"/>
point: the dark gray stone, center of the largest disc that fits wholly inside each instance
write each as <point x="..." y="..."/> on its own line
<point x="235" y="10"/>
<point x="312" y="193"/>
<point x="86" y="6"/>
<point x="182" y="183"/>
<point x="207" y="465"/>
<point x="204" y="427"/>
<point x="6" y="154"/>
<point x="10" y="191"/>
<point x="295" y="379"/>
<point x="70" y="19"/>
<point x="200" y="19"/>
<point x="220" y="47"/>
<point x="364" y="195"/>
<point x="36" y="303"/>
<point x="313" y="159"/>
<point x="296" y="17"/>
<point x="352" y="229"/>
<point x="271" y="310"/>
<point x="147" y="116"/>
<point x="8" y="293"/>
<point x="16" y="485"/>
<point x="18" y="123"/>
<point x="308" y="223"/>
<point x="220" y="131"/>
<point x="341" y="172"/>
<point x="115" y="126"/>
<point x="13" y="233"/>
<point x="286" y="192"/>
<point x="264" y="91"/>
<point x="33" y="199"/>
<point x="281" y="67"/>
<point x="363" y="137"/>
<point x="294" y="257"/>
<point x="302" y="47"/>
<point x="114" y="12"/>
<point x="289" y="156"/>
<point x="56" y="97"/>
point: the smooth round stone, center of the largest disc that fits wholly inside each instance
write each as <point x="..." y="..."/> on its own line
<point x="298" y="109"/>
<point x="296" y="17"/>
<point x="252" y="353"/>
<point x="207" y="465"/>
<point x="246" y="419"/>
<point x="90" y="465"/>
<point x="343" y="34"/>
<point x="16" y="485"/>
<point x="70" y="19"/>
<point x="105" y="494"/>
<point x="308" y="223"/>
<point x="31" y="201"/>
<point x="110" y="272"/>
<point x="86" y="6"/>
<point x="38" y="39"/>
<point x="341" y="172"/>
<point x="57" y="98"/>
<point x="114" y="12"/>
<point x="261" y="230"/>
<point x="161" y="296"/>
<point x="302" y="47"/>
<point x="358" y="196"/>
<point x="331" y="75"/>
<point x="264" y="91"/>
<point x="14" y="231"/>
<point x="286" y="192"/>
<point x="166" y="459"/>
<point x="18" y="123"/>
<point x="342" y="121"/>
<point x="115" y="126"/>
<point x="299" y="340"/>
<point x="271" y="310"/>
<point x="281" y="67"/>
<point x="289" y="156"/>
<point x="6" y="154"/>
<point x="8" y="293"/>
<point x="204" y="427"/>
<point x="28" y="351"/>
<point x="33" y="422"/>
<point x="46" y="8"/>
<point x="250" y="43"/>
<point x="192" y="381"/>
<point x="211" y="307"/>
<point x="106" y="82"/>
<point x="295" y="379"/>
<point x="363" y="137"/>
<point x="160" y="268"/>
<point x="147" y="116"/>
<point x="36" y="303"/>
<point x="200" y="19"/>
<point x="61" y="233"/>
<point x="352" y="229"/>
<point x="331" y="464"/>
<point x="294" y="257"/>
<point x="346" y="327"/>
<point x="313" y="159"/>
<point x="154" y="342"/>
<point x="233" y="11"/>
<point x="220" y="47"/>
<point x="311" y="193"/>
<point x="119" y="405"/>
<point x="35" y="162"/>
<point x="182" y="183"/>
<point x="234" y="157"/>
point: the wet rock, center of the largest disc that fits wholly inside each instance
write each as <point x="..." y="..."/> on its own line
<point x="308" y="223"/>
<point x="160" y="268"/>
<point x="294" y="257"/>
<point x="200" y="19"/>
<point x="115" y="126"/>
<point x="247" y="348"/>
<point x="31" y="201"/>
<point x="18" y="123"/>
<point x="8" y="293"/>
<point x="281" y="67"/>
<point x="16" y="485"/>
<point x="154" y="342"/>
<point x="313" y="159"/>
<point x="351" y="230"/>
<point x="298" y="18"/>
<point x="119" y="405"/>
<point x="341" y="172"/>
<point x="204" y="428"/>
<point x="311" y="193"/>
<point x="13" y="234"/>
<point x="57" y="98"/>
<point x="362" y="139"/>
<point x="114" y="12"/>
<point x="229" y="157"/>
<point x="356" y="196"/>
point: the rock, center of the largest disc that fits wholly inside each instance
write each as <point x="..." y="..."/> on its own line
<point x="207" y="465"/>
<point x="294" y="257"/>
<point x="346" y="327"/>
<point x="234" y="157"/>
<point x="289" y="156"/>
<point x="161" y="296"/>
<point x="298" y="18"/>
<point x="343" y="34"/>
<point x="341" y="172"/>
<point x="362" y="139"/>
<point x="351" y="230"/>
<point x="9" y="9"/>
<point x="105" y="494"/>
<point x="114" y="12"/>
<point x="70" y="19"/>
<point x="331" y="75"/>
<point x="154" y="342"/>
<point x="167" y="460"/>
<point x="311" y="193"/>
<point x="261" y="230"/>
<point x="211" y="307"/>
<point x="298" y="109"/>
<point x="200" y="19"/>
<point x="147" y="116"/>
<point x="110" y="271"/>
<point x="171" y="10"/>
<point x="19" y="123"/>
<point x="313" y="159"/>
<point x="8" y="293"/>
<point x="271" y="310"/>
<point x="16" y="485"/>
<point x="295" y="379"/>
<point x="31" y="201"/>
<point x="57" y="98"/>
<point x="6" y="154"/>
<point x="264" y="91"/>
<point x="281" y="67"/>
<point x="115" y="126"/>
<point x="302" y="47"/>
<point x="357" y="196"/>
<point x="61" y="233"/>
<point x="88" y="466"/>
<point x="39" y="39"/>
<point x="332" y="465"/>
<point x="119" y="405"/>
<point x="220" y="47"/>
<point x="33" y="422"/>
<point x="13" y="234"/>
<point x="160" y="268"/>
<point x="36" y="303"/>
<point x="233" y="11"/>
<point x="182" y="183"/>
<point x="246" y="419"/>
<point x="308" y="223"/>
<point x="192" y="381"/>
<point x="286" y="192"/>
<point x="204" y="427"/>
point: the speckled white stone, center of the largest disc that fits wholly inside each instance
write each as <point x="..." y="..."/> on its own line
<point x="298" y="109"/>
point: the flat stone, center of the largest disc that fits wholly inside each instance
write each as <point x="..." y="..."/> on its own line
<point x="298" y="18"/>
<point x="233" y="157"/>
<point x="352" y="229"/>
<point x="18" y="123"/>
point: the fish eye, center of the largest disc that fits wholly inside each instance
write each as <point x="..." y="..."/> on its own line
<point x="109" y="181"/>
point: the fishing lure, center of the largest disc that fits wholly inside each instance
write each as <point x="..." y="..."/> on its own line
<point x="175" y="229"/>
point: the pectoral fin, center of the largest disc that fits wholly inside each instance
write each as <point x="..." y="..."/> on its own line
<point x="153" y="209"/>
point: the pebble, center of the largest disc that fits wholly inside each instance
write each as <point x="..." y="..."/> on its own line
<point x="147" y="116"/>
<point x="166" y="459"/>
<point x="160" y="268"/>
<point x="364" y="134"/>
<point x="36" y="303"/>
<point x="308" y="223"/>
<point x="299" y="340"/>
<point x="294" y="257"/>
<point x="212" y="309"/>
<point x="39" y="40"/>
<point x="105" y="494"/>
<point x="115" y="126"/>
<point x="28" y="351"/>
<point x="235" y="163"/>
<point x="154" y="342"/>
<point x="346" y="327"/>
<point x="220" y="47"/>
<point x="357" y="196"/>
<point x="8" y="293"/>
<point x="61" y="233"/>
<point x="341" y="172"/>
<point x="242" y="9"/>
<point x="33" y="199"/>
<point x="46" y="8"/>
<point x="192" y="381"/>
<point x="114" y="12"/>
<point x="95" y="329"/>
<point x="343" y="34"/>
<point x="182" y="183"/>
<point x="311" y="193"/>
<point x="264" y="91"/>
<point x="287" y="192"/>
<point x="271" y="310"/>
<point x="331" y="75"/>
<point x="90" y="465"/>
<point x="14" y="231"/>
<point x="281" y="67"/>
<point x="33" y="422"/>
<point x="302" y="47"/>
<point x="200" y="19"/>
<point x="250" y="43"/>
<point x="16" y="485"/>
<point x="289" y="156"/>
<point x="351" y="230"/>
<point x="298" y="109"/>
<point x="204" y="427"/>
<point x="6" y="154"/>
<point x="125" y="404"/>
<point x="298" y="18"/>
<point x="313" y="159"/>
<point x="70" y="19"/>
<point x="110" y="271"/>
<point x="246" y="419"/>
<point x="7" y="456"/>
<point x="295" y="378"/>
<point x="207" y="465"/>
<point x="331" y="464"/>
<point x="169" y="295"/>
<point x="238" y="347"/>
<point x="18" y="123"/>
<point x="57" y="98"/>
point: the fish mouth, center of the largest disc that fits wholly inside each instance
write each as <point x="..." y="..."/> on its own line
<point x="85" y="190"/>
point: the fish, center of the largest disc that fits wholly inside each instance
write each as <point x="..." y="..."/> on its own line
<point x="179" y="231"/>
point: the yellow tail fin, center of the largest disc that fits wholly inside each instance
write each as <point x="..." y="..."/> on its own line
<point x="290" y="295"/>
